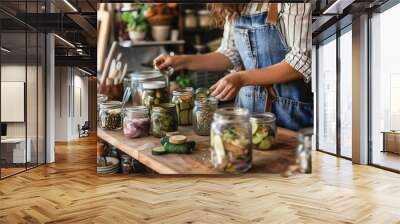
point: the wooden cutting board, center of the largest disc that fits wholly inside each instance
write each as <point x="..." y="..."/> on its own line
<point x="273" y="161"/>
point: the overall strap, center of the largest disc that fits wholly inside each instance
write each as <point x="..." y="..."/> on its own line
<point x="271" y="19"/>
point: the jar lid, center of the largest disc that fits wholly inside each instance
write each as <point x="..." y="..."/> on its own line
<point x="137" y="109"/>
<point x="203" y="12"/>
<point x="183" y="91"/>
<point x="203" y="101"/>
<point x="305" y="133"/>
<point x="231" y="114"/>
<point x="154" y="85"/>
<point x="164" y="107"/>
<point x="101" y="98"/>
<point x="189" y="11"/>
<point x="144" y="75"/>
<point x="110" y="104"/>
<point x="266" y="117"/>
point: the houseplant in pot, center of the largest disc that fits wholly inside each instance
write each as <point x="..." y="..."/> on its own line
<point x="160" y="17"/>
<point x="137" y="23"/>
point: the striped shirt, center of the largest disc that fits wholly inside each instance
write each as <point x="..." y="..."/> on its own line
<point x="294" y="22"/>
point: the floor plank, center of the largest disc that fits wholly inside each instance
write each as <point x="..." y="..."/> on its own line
<point x="70" y="191"/>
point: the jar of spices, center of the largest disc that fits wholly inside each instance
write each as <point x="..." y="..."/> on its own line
<point x="201" y="93"/>
<point x="230" y="140"/>
<point x="190" y="19"/>
<point x="204" y="18"/>
<point x="136" y="121"/>
<point x="154" y="93"/>
<point x="110" y="115"/>
<point x="183" y="100"/>
<point x="203" y="112"/>
<point x="163" y="119"/>
<point x="263" y="126"/>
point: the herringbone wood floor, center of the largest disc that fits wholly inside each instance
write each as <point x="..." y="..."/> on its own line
<point x="71" y="192"/>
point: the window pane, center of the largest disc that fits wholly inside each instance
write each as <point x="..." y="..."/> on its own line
<point x="346" y="94"/>
<point x="327" y="97"/>
<point x="385" y="84"/>
<point x="15" y="150"/>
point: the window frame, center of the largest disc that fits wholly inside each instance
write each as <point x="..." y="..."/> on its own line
<point x="381" y="9"/>
<point x="333" y="37"/>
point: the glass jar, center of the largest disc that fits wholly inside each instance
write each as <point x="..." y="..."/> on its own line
<point x="154" y="93"/>
<point x="183" y="100"/>
<point x="110" y="115"/>
<point x="204" y="18"/>
<point x="263" y="129"/>
<point x="303" y="151"/>
<point x="126" y="166"/>
<point x="135" y="80"/>
<point x="201" y="93"/>
<point x="101" y="98"/>
<point x="230" y="140"/>
<point x="203" y="112"/>
<point x="136" y="122"/>
<point x="190" y="19"/>
<point x="163" y="119"/>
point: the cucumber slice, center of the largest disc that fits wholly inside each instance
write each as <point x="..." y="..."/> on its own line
<point x="158" y="150"/>
<point x="177" y="139"/>
<point x="256" y="139"/>
<point x="265" y="144"/>
<point x="254" y="127"/>
<point x="219" y="148"/>
<point x="262" y="135"/>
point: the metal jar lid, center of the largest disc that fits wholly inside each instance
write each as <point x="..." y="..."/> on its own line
<point x="111" y="104"/>
<point x="266" y="117"/>
<point x="154" y="85"/>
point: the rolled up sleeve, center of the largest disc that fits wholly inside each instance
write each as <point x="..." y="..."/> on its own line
<point x="228" y="47"/>
<point x="297" y="21"/>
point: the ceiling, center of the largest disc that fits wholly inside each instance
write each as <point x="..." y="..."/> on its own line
<point x="72" y="20"/>
<point x="332" y="15"/>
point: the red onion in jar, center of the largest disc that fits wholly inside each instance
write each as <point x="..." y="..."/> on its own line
<point x="136" y="122"/>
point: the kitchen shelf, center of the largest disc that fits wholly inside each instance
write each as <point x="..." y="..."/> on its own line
<point x="128" y="43"/>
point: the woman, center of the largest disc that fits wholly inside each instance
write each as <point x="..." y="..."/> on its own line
<point x="268" y="45"/>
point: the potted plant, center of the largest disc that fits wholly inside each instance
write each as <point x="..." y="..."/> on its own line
<point x="160" y="18"/>
<point x="137" y="23"/>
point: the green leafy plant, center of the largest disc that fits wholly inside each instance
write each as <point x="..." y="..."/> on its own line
<point x="184" y="80"/>
<point x="136" y="20"/>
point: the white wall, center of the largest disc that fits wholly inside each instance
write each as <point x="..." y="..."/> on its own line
<point x="34" y="125"/>
<point x="71" y="102"/>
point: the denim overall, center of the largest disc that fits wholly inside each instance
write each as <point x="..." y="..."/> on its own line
<point x="260" y="45"/>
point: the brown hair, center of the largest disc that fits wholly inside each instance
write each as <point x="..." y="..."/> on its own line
<point x="222" y="11"/>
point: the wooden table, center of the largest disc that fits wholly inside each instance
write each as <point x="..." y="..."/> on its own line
<point x="273" y="161"/>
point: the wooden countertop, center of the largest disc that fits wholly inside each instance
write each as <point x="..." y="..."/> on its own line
<point x="274" y="161"/>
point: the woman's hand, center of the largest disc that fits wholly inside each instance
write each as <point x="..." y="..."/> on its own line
<point x="227" y="88"/>
<point x="176" y="62"/>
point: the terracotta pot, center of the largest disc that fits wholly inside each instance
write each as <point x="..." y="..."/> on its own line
<point x="160" y="33"/>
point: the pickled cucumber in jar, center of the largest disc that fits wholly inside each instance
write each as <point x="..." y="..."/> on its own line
<point x="230" y="140"/>
<point x="183" y="100"/>
<point x="263" y="130"/>
<point x="154" y="93"/>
